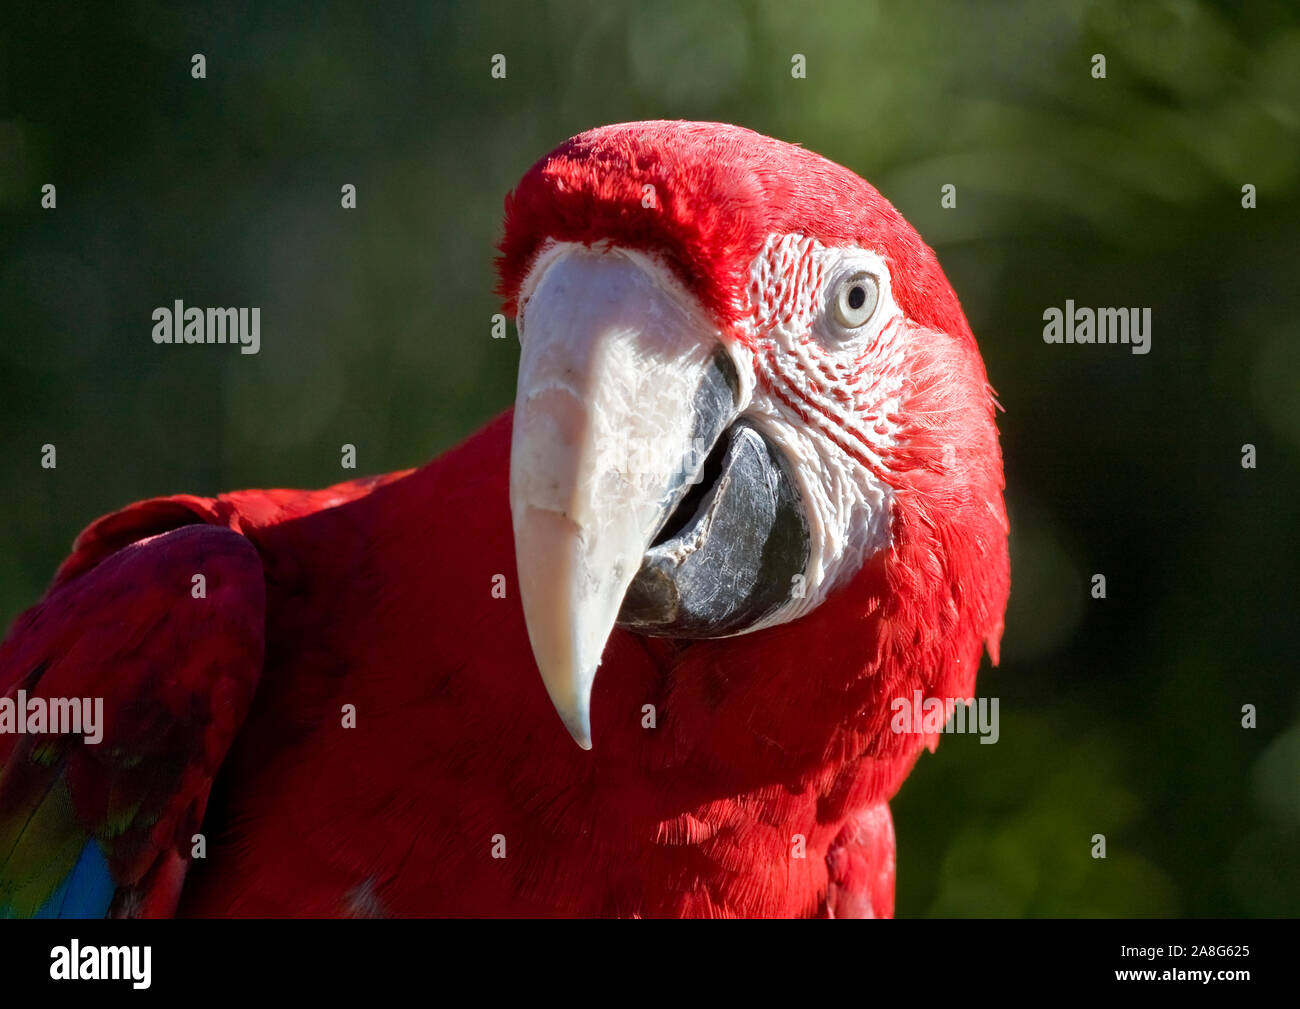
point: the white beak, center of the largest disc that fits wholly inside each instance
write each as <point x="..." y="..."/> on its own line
<point x="606" y="442"/>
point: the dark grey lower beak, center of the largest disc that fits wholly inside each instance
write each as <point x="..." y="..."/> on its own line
<point x="729" y="554"/>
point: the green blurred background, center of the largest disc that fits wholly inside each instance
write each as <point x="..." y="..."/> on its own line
<point x="1119" y="716"/>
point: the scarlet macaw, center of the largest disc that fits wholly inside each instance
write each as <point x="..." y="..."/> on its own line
<point x="752" y="473"/>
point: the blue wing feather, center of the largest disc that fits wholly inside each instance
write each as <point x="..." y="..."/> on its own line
<point x="86" y="891"/>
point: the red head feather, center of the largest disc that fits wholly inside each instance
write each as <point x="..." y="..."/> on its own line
<point x="720" y="191"/>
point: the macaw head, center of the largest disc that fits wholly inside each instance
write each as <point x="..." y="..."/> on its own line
<point x="747" y="394"/>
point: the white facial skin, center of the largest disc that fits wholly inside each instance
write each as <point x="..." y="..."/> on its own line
<point x="829" y="377"/>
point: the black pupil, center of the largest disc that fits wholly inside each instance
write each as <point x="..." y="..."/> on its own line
<point x="857" y="296"/>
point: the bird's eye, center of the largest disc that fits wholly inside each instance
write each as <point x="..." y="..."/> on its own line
<point x="855" y="300"/>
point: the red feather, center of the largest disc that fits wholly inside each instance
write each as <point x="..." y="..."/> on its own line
<point x="377" y="595"/>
